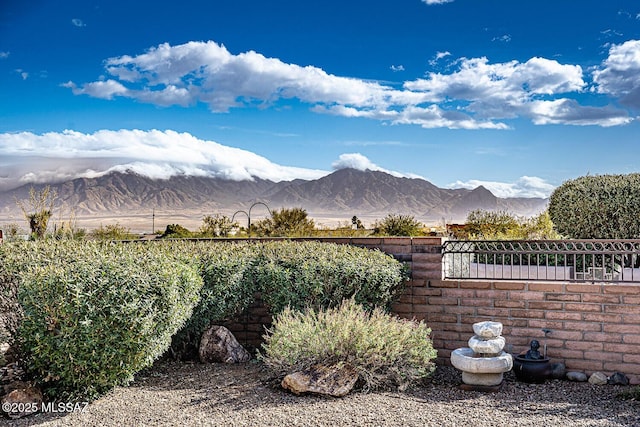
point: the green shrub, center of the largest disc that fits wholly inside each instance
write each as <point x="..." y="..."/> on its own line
<point x="112" y="232"/>
<point x="95" y="314"/>
<point x="286" y="274"/>
<point x="10" y="308"/>
<point x="286" y="222"/>
<point x="597" y="207"/>
<point x="501" y="225"/>
<point x="387" y="352"/>
<point x="228" y="288"/>
<point x="398" y="225"/>
<point x="320" y="275"/>
<point x="176" y="231"/>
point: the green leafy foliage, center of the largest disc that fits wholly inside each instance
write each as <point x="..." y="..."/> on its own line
<point x="286" y="274"/>
<point x="292" y="222"/>
<point x="96" y="314"/>
<point x="597" y="207"/>
<point x="387" y="352"/>
<point x="313" y="274"/>
<point x="112" y="232"/>
<point x="216" y="226"/>
<point x="38" y="209"/>
<point x="229" y="288"/>
<point x="398" y="225"/>
<point x="501" y="225"/>
<point x="10" y="308"/>
<point x="176" y="231"/>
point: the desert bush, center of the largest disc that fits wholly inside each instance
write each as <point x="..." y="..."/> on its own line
<point x="502" y="225"/>
<point x="112" y="232"/>
<point x="387" y="352"/>
<point x="286" y="222"/>
<point x="38" y="209"/>
<point x="16" y="258"/>
<point x="228" y="288"/>
<point x="95" y="314"/>
<point x="10" y="308"/>
<point x="398" y="225"/>
<point x="286" y="274"/>
<point x="217" y="226"/>
<point x="313" y="274"/>
<point x="176" y="231"/>
<point x="597" y="207"/>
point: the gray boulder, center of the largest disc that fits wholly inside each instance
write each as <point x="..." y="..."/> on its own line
<point x="618" y="378"/>
<point x="577" y="376"/>
<point x="335" y="380"/>
<point x="219" y="345"/>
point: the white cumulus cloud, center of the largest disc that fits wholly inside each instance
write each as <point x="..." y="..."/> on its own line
<point x="526" y="186"/>
<point x="362" y="163"/>
<point x="57" y="156"/>
<point x="473" y="94"/>
<point x="619" y="74"/>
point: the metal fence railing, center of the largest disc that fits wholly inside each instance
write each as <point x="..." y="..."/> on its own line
<point x="544" y="260"/>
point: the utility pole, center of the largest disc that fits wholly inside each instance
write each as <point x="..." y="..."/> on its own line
<point x="153" y="221"/>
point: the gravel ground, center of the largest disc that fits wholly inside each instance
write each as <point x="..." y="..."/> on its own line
<point x="178" y="394"/>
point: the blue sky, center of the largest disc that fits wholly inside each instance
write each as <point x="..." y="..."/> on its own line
<point x="517" y="96"/>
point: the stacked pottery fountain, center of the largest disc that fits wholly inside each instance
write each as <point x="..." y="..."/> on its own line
<point x="484" y="362"/>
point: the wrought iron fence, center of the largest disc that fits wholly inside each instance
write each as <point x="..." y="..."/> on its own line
<point x="545" y="260"/>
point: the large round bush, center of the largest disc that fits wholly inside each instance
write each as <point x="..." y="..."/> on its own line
<point x="320" y="275"/>
<point x="98" y="313"/>
<point x="597" y="207"/>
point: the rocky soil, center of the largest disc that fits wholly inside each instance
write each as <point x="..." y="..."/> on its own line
<point x="178" y="394"/>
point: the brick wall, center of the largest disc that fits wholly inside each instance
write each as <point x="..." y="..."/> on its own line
<point x="595" y="327"/>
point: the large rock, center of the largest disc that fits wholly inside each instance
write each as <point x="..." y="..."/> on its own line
<point x="22" y="402"/>
<point x="598" y="378"/>
<point x="219" y="345"/>
<point x="618" y="378"/>
<point x="335" y="380"/>
<point x="577" y="376"/>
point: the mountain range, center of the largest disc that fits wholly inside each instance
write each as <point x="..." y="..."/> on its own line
<point x="339" y="195"/>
